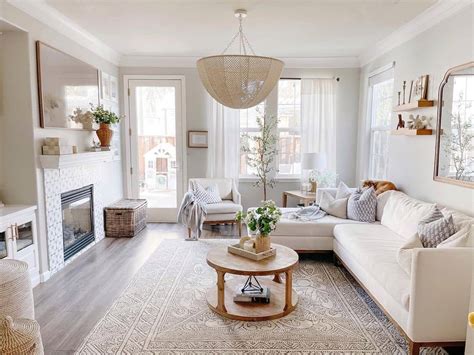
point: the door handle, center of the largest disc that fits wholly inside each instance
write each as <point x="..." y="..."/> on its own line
<point x="471" y="319"/>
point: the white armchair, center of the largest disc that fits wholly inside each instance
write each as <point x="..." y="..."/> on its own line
<point x="222" y="212"/>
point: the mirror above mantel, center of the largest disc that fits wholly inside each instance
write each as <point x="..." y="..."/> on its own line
<point x="454" y="156"/>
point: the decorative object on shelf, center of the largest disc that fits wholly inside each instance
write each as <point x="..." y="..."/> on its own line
<point x="454" y="154"/>
<point x="95" y="147"/>
<point x="197" y="139"/>
<point x="421" y="88"/>
<point x="314" y="163"/>
<point x="20" y="336"/>
<point x="399" y="93"/>
<point x="261" y="151"/>
<point x="59" y="93"/>
<point x="411" y="92"/>
<point x="57" y="146"/>
<point x="404" y="89"/>
<point x="104" y="118"/>
<point x="261" y="220"/>
<point x="401" y="122"/>
<point x="84" y="118"/>
<point x="418" y="122"/>
<point x="243" y="80"/>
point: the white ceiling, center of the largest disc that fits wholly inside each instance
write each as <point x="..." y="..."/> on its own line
<point x="290" y="28"/>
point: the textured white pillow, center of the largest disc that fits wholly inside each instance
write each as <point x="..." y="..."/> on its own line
<point x="402" y="214"/>
<point x="362" y="205"/>
<point x="209" y="194"/>
<point x="461" y="239"/>
<point x="405" y="253"/>
<point x="334" y="207"/>
<point x="343" y="191"/>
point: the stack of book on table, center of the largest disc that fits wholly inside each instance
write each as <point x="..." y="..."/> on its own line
<point x="253" y="296"/>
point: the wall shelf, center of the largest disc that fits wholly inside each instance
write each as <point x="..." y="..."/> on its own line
<point x="70" y="160"/>
<point x="411" y="132"/>
<point x="414" y="105"/>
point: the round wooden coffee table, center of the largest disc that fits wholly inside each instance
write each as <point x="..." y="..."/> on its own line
<point x="283" y="298"/>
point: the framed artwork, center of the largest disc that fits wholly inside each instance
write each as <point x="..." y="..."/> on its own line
<point x="421" y="88"/>
<point x="113" y="88"/>
<point x="197" y="139"/>
<point x="105" y="86"/>
<point x="66" y="89"/>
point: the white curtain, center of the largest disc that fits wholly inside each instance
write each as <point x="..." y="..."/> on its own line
<point x="318" y="118"/>
<point x="223" y="154"/>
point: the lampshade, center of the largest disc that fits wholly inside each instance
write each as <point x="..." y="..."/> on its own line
<point x="241" y="80"/>
<point x="313" y="161"/>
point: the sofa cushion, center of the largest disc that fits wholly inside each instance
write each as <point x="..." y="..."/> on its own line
<point x="375" y="248"/>
<point x="343" y="191"/>
<point x="460" y="220"/>
<point x="461" y="239"/>
<point x="405" y="253"/>
<point x="322" y="227"/>
<point x="381" y="202"/>
<point x="362" y="205"/>
<point x="334" y="207"/>
<point x="402" y="214"/>
<point x="223" y="207"/>
<point x="435" y="228"/>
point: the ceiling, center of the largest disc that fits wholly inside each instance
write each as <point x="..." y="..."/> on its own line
<point x="191" y="28"/>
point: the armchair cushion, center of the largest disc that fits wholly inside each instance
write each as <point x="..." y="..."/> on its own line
<point x="224" y="186"/>
<point x="225" y="206"/>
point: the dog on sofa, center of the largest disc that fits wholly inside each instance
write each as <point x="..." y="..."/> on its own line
<point x="379" y="186"/>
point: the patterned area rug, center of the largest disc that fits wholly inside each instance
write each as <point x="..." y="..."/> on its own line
<point x="163" y="311"/>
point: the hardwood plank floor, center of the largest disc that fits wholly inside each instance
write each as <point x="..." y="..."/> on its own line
<point x="70" y="304"/>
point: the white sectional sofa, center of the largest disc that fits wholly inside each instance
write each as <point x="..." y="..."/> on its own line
<point x="431" y="305"/>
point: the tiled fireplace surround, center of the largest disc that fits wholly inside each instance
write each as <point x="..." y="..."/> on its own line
<point x="63" y="179"/>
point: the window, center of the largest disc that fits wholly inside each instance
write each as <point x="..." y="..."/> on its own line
<point x="289" y="127"/>
<point x="380" y="115"/>
<point x="248" y="125"/>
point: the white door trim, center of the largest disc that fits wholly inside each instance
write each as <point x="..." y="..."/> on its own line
<point x="127" y="128"/>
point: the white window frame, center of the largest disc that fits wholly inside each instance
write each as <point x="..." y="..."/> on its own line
<point x="389" y="73"/>
<point x="245" y="130"/>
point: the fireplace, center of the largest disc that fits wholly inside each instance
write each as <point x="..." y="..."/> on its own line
<point x="78" y="219"/>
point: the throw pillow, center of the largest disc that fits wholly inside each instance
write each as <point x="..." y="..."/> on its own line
<point x="461" y="239"/>
<point x="362" y="205"/>
<point x="381" y="202"/>
<point x="206" y="195"/>
<point x="405" y="254"/>
<point x="343" y="191"/>
<point x="435" y="228"/>
<point x="331" y="205"/>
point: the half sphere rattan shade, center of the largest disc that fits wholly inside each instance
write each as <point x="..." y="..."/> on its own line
<point x="239" y="81"/>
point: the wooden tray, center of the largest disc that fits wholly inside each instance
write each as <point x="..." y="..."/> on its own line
<point x="237" y="250"/>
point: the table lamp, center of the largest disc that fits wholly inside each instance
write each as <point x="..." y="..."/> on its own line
<point x="313" y="161"/>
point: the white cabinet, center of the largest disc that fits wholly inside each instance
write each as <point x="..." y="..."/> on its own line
<point x="18" y="237"/>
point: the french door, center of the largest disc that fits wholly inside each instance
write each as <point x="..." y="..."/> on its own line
<point x="157" y="144"/>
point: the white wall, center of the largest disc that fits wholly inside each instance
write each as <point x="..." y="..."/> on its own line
<point x="196" y="112"/>
<point x="411" y="159"/>
<point x="39" y="31"/>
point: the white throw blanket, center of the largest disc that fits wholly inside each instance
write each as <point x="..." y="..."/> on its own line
<point x="192" y="214"/>
<point x="305" y="214"/>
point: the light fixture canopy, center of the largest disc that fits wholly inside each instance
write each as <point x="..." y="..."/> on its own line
<point x="242" y="80"/>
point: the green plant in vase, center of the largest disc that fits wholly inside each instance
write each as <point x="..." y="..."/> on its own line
<point x="262" y="221"/>
<point x="104" y="118"/>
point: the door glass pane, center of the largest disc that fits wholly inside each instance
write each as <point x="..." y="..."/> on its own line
<point x="156" y="120"/>
<point x="25" y="236"/>
<point x="3" y="245"/>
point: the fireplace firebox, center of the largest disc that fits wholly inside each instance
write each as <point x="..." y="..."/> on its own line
<point x="78" y="219"/>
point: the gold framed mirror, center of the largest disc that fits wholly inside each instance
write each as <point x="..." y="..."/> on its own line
<point x="454" y="154"/>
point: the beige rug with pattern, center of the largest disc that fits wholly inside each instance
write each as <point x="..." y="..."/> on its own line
<point x="163" y="311"/>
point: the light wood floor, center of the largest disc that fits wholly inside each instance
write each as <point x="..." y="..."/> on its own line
<point x="76" y="298"/>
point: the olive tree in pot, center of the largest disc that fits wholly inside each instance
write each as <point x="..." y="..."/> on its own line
<point x="104" y="118"/>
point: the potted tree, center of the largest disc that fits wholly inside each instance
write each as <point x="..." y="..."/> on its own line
<point x="104" y="118"/>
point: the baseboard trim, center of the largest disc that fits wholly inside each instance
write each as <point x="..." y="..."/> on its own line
<point x="45" y="276"/>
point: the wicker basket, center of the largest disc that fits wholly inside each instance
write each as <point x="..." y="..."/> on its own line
<point x="125" y="218"/>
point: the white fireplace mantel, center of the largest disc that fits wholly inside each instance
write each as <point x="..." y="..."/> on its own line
<point x="72" y="160"/>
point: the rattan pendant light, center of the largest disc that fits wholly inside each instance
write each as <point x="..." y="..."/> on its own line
<point x="240" y="80"/>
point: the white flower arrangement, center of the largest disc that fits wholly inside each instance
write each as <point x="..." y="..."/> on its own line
<point x="262" y="219"/>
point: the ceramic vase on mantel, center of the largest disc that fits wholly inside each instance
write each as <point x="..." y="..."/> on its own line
<point x="262" y="243"/>
<point x="104" y="133"/>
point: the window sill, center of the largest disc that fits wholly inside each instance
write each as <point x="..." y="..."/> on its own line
<point x="251" y="179"/>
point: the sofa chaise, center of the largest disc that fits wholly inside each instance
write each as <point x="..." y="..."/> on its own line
<point x="429" y="305"/>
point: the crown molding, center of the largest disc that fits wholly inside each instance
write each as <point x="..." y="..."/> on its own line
<point x="51" y="17"/>
<point x="190" y="62"/>
<point x="433" y="15"/>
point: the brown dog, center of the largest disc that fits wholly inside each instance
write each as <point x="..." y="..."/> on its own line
<point x="379" y="185"/>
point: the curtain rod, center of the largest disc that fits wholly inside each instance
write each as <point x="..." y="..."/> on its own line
<point x="334" y="78"/>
